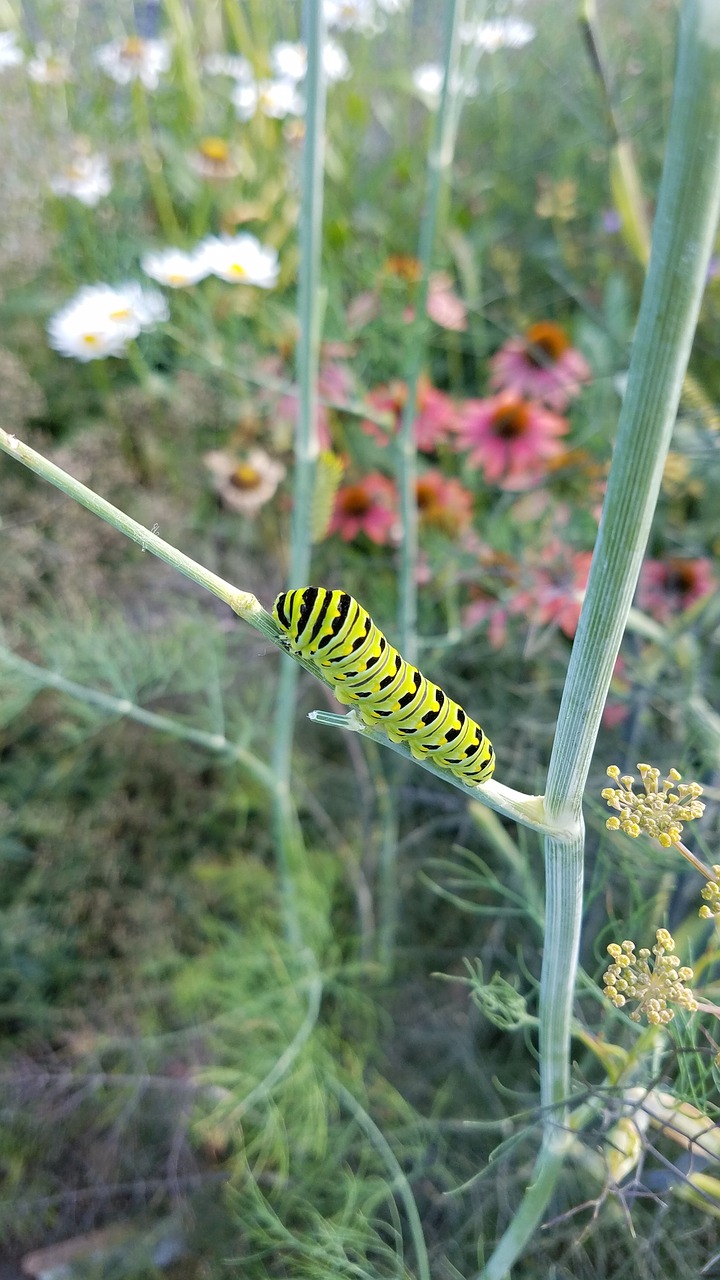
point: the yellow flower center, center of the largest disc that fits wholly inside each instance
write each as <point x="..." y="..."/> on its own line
<point x="214" y="149"/>
<point x="245" y="476"/>
<point x="122" y="313"/>
<point x="90" y="339"/>
<point x="546" y="343"/>
<point x="133" y="49"/>
<point x="236" y="269"/>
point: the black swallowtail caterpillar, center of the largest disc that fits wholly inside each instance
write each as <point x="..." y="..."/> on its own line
<point x="335" y="633"/>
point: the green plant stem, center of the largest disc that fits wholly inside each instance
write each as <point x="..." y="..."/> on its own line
<point x="131" y="443"/>
<point x="153" y="162"/>
<point x="439" y="161"/>
<point x="238" y="26"/>
<point x="514" y="804"/>
<point x="386" y="788"/>
<point x="185" y="44"/>
<point x="685" y="226"/>
<point x="123" y="707"/>
<point x="243" y="603"/>
<point x="288" y="841"/>
<point x="290" y="1054"/>
<point x="527" y="809"/>
<point x="624" y="175"/>
<point x="400" y="1186"/>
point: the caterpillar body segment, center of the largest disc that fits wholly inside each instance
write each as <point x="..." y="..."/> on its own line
<point x="330" y="629"/>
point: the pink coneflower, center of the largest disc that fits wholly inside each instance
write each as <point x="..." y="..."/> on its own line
<point x="667" y="587"/>
<point x="368" y="507"/>
<point x="436" y="417"/>
<point x="541" y="365"/>
<point x="511" y="439"/>
<point x="443" y="503"/>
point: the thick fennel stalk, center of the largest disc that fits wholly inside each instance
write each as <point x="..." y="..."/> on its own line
<point x="683" y="237"/>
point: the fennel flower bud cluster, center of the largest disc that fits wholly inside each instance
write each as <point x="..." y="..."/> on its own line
<point x="711" y="894"/>
<point x="658" y="813"/>
<point x="630" y="977"/>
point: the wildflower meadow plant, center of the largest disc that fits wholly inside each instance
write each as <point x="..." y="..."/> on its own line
<point x="175" y="268"/>
<point x="667" y="587"/>
<point x="134" y="58"/>
<point x="244" y="485"/>
<point x="542" y="365"/>
<point x="86" y="178"/>
<point x="101" y="320"/>
<point x="47" y="67"/>
<point x="274" y="98"/>
<point x="213" y="159"/>
<point x="240" y="259"/>
<point x="513" y="439"/>
<point x="369" y="506"/>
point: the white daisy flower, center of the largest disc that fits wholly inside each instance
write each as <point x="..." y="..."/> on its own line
<point x="499" y="33"/>
<point x="288" y="61"/>
<point x="244" y="98"/>
<point x="87" y="178"/>
<point x="274" y="98"/>
<point x="175" y="268"/>
<point x="335" y="62"/>
<point x="240" y="260"/>
<point x="11" y="55"/>
<point x="279" y="98"/>
<point x="147" y="305"/>
<point x="101" y="320"/>
<point x="353" y="15"/>
<point x="228" y="64"/>
<point x="428" y="82"/>
<point x="46" y="67"/>
<point x="134" y="59"/>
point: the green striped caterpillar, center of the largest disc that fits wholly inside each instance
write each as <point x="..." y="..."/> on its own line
<point x="335" y="633"/>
